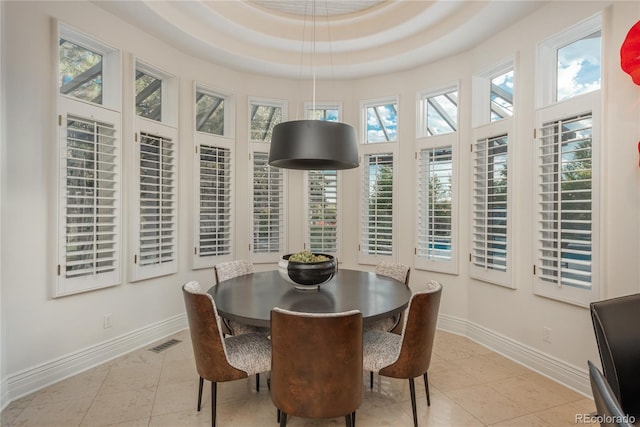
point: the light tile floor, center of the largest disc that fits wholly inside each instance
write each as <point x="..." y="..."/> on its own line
<point x="470" y="386"/>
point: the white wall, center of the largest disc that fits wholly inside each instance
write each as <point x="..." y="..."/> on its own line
<point x="41" y="333"/>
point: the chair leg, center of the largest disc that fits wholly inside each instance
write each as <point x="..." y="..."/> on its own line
<point x="412" y="389"/>
<point x="426" y="387"/>
<point x="214" y="390"/>
<point x="257" y="383"/>
<point x="353" y="419"/>
<point x="283" y="419"/>
<point x="200" y="392"/>
<point x="277" y="415"/>
<point x="347" y="420"/>
<point x="371" y="379"/>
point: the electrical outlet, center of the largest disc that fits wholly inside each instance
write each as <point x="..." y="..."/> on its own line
<point x="107" y="320"/>
<point x="546" y="334"/>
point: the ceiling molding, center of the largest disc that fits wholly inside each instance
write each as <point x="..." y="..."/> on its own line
<point x="368" y="39"/>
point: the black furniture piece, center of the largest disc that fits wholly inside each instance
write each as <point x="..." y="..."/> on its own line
<point x="616" y="323"/>
<point x="607" y="405"/>
<point x="316" y="364"/>
<point x="249" y="298"/>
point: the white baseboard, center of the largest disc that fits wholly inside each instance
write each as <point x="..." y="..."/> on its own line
<point x="562" y="372"/>
<point x="4" y="394"/>
<point x="32" y="379"/>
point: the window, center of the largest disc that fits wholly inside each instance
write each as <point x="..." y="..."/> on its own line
<point x="214" y="152"/>
<point x="490" y="237"/>
<point x="89" y="193"/>
<point x="435" y="207"/>
<point x="501" y="96"/>
<point x="322" y="212"/>
<point x="567" y="262"/>
<point x="439" y="112"/>
<point x="154" y="213"/>
<point x="379" y="152"/>
<point x="268" y="202"/>
<point x="491" y="248"/>
<point x="322" y="196"/>
<point x="330" y="112"/>
<point x="377" y="205"/>
<point x="436" y="246"/>
<point x="569" y="63"/>
<point x="214" y="204"/>
<point x="269" y="214"/>
<point x="381" y="121"/>
<point x="264" y="115"/>
<point x="88" y="70"/>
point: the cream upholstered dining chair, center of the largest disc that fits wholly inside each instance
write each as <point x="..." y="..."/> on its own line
<point x="400" y="272"/>
<point x="229" y="270"/>
<point x="220" y="359"/>
<point x="407" y="355"/>
<point x="316" y="365"/>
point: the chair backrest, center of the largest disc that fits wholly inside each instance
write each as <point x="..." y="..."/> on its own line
<point x="399" y="272"/>
<point x="230" y="269"/>
<point x="316" y="363"/>
<point x="607" y="405"/>
<point x="615" y="322"/>
<point x="418" y="334"/>
<point x="208" y="345"/>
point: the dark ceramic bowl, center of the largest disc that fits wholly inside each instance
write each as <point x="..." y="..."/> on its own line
<point x="305" y="275"/>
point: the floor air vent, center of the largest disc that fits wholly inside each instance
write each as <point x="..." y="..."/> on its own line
<point x="164" y="346"/>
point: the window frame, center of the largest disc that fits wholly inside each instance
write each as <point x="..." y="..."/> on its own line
<point x="484" y="128"/>
<point x="263" y="147"/>
<point x="588" y="103"/>
<point x="166" y="127"/>
<point x="424" y="141"/>
<point x="546" y="59"/>
<point x="496" y="129"/>
<point x="226" y="141"/>
<point x="375" y="148"/>
<point x="308" y="108"/>
<point x="108" y="112"/>
<point x="422" y="99"/>
<point x="111" y="65"/>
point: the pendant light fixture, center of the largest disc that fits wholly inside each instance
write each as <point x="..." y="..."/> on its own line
<point x="313" y="144"/>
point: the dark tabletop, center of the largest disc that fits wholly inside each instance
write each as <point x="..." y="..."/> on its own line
<point x="250" y="298"/>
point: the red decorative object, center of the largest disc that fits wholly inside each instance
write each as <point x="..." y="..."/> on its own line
<point x="630" y="53"/>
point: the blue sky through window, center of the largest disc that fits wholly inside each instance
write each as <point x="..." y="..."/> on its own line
<point x="579" y="67"/>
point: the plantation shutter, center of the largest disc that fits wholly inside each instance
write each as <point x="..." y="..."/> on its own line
<point x="214" y="226"/>
<point x="489" y="225"/>
<point x="377" y="205"/>
<point x="322" y="208"/>
<point x="157" y="227"/>
<point x="90" y="187"/>
<point x="565" y="202"/>
<point x="435" y="210"/>
<point x="268" y="207"/>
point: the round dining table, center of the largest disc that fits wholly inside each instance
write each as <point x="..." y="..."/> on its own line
<point x="249" y="298"/>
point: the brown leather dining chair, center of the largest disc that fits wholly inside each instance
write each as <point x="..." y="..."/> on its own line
<point x="615" y="322"/>
<point x="408" y="355"/>
<point x="316" y="366"/>
<point x="220" y="359"/>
